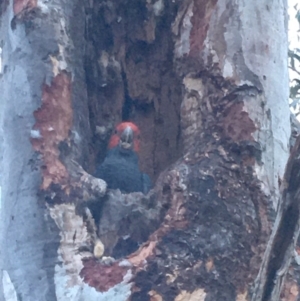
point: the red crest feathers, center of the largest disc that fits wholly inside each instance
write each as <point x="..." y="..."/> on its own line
<point x="114" y="139"/>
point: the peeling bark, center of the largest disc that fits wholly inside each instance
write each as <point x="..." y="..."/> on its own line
<point x="53" y="124"/>
<point x="207" y="84"/>
<point x="283" y="241"/>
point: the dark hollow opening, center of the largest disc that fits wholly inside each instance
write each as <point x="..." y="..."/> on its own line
<point x="130" y="76"/>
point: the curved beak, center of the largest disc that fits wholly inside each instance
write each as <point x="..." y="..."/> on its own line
<point x="126" y="138"/>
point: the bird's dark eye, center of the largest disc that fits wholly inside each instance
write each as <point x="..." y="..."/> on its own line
<point x="116" y="131"/>
<point x="138" y="136"/>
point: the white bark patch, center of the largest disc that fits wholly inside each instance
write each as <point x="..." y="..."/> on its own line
<point x="43" y="6"/>
<point x="60" y="64"/>
<point x="182" y="44"/>
<point x="69" y="285"/>
<point x="197" y="295"/>
<point x="8" y="288"/>
<point x="274" y="149"/>
<point x="190" y="110"/>
<point x="228" y="71"/>
<point x="266" y="56"/>
<point x="73" y="234"/>
<point x="261" y="63"/>
<point x="59" y="61"/>
<point x="35" y="134"/>
<point x="209" y="52"/>
<point x="242" y="297"/>
<point x="193" y="84"/>
<point x="158" y="7"/>
<point x="264" y="137"/>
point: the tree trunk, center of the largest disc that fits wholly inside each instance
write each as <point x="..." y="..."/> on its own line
<point x="206" y="81"/>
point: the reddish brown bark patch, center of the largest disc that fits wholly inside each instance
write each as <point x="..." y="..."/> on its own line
<point x="202" y="12"/>
<point x="102" y="277"/>
<point x="237" y="124"/>
<point x="290" y="292"/>
<point x="21" y="5"/>
<point x="53" y="122"/>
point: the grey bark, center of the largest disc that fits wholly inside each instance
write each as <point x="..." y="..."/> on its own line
<point x="29" y="237"/>
<point x="207" y="83"/>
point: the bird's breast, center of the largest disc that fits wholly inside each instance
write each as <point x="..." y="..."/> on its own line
<point x="121" y="173"/>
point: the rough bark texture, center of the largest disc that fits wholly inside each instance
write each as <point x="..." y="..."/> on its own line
<point x="207" y="84"/>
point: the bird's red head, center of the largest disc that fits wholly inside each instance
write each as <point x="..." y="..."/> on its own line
<point x="120" y="130"/>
